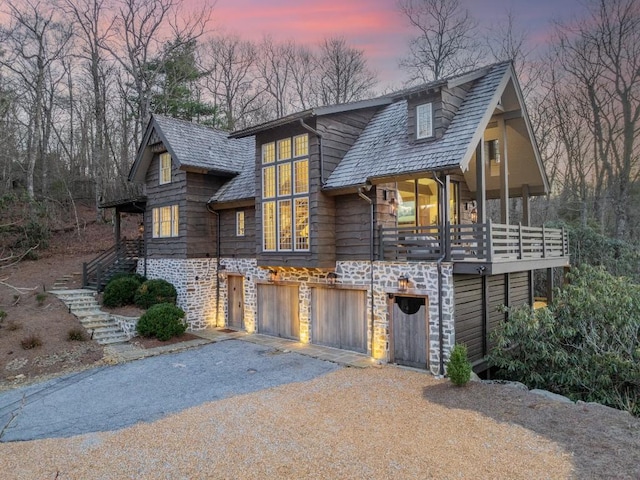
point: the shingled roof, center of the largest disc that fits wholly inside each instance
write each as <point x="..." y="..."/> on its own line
<point x="194" y="146"/>
<point x="383" y="149"/>
<point x="243" y="186"/>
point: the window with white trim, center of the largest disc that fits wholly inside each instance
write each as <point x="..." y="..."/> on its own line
<point x="285" y="194"/>
<point x="240" y="223"/>
<point x="424" y="121"/>
<point x="165" y="168"/>
<point x="165" y="221"/>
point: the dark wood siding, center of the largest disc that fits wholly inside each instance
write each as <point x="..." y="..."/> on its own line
<point x="478" y="308"/>
<point x="469" y="313"/>
<point x="200" y="223"/>
<point x="352" y="228"/>
<point x="519" y="289"/>
<point x="159" y="196"/>
<point x="232" y="245"/>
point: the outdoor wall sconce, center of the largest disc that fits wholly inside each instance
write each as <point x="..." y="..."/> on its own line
<point x="393" y="204"/>
<point x="403" y="283"/>
<point x="221" y="271"/>
<point x="331" y="278"/>
<point x="474" y="215"/>
<point x="273" y="275"/>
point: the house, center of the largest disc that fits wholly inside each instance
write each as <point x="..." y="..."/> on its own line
<point x="361" y="226"/>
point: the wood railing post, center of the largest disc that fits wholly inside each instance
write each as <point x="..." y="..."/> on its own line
<point x="520" y="248"/>
<point x="489" y="243"/>
<point x="98" y="276"/>
<point x="380" y="244"/>
<point x="84" y="274"/>
<point x="544" y="242"/>
<point x="565" y="243"/>
<point x="446" y="237"/>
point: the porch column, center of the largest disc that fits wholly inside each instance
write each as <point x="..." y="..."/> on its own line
<point x="481" y="183"/>
<point x="446" y="217"/>
<point x="526" y="211"/>
<point x="504" y="173"/>
<point x="117" y="226"/>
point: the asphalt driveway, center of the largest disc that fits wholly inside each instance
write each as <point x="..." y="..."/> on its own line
<point x="114" y="397"/>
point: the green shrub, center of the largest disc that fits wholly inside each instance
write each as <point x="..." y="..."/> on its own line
<point x="3" y="315"/>
<point x="586" y="345"/>
<point x="120" y="291"/>
<point x="76" y="335"/>
<point x="162" y="321"/>
<point x="153" y="292"/>
<point x="458" y="366"/>
<point x="137" y="276"/>
<point x="40" y="298"/>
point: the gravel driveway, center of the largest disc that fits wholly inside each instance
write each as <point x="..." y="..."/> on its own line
<point x="375" y="423"/>
<point x="115" y="397"/>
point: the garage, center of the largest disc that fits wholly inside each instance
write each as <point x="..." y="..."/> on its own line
<point x="278" y="311"/>
<point x="339" y="318"/>
<point x="409" y="332"/>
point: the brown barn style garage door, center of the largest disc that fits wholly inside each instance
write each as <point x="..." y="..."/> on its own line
<point x="409" y="332"/>
<point x="278" y="311"/>
<point x="339" y="318"/>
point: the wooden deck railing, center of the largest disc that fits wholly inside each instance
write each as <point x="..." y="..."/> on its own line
<point x="488" y="242"/>
<point x="121" y="257"/>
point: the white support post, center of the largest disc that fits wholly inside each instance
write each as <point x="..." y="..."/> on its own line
<point x="504" y="173"/>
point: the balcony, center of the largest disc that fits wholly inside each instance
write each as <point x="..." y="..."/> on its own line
<point x="489" y="248"/>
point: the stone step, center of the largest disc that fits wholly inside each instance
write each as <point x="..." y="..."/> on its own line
<point x="87" y="313"/>
<point x="107" y="330"/>
<point x="82" y="305"/>
<point x="111" y="340"/>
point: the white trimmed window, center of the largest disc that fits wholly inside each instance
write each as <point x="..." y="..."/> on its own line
<point x="165" y="168"/>
<point x="424" y="121"/>
<point x="165" y="221"/>
<point x="285" y="195"/>
<point x="240" y="223"/>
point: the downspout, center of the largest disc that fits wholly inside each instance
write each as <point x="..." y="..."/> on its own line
<point x="371" y="230"/>
<point x="320" y="148"/>
<point x="218" y="230"/>
<point x="439" y="266"/>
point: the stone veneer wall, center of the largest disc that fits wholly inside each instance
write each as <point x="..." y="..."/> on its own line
<point x="423" y="282"/>
<point x="126" y="324"/>
<point x="195" y="281"/>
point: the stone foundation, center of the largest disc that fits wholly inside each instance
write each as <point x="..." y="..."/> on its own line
<point x="205" y="302"/>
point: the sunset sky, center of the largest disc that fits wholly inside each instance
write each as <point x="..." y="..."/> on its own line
<point x="372" y="25"/>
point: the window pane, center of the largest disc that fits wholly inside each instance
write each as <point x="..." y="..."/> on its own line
<point x="240" y="224"/>
<point x="268" y="182"/>
<point x="284" y="240"/>
<point x="156" y="223"/>
<point x="284" y="149"/>
<point x="269" y="152"/>
<point x="302" y="176"/>
<point x="301" y="145"/>
<point x="165" y="168"/>
<point x="302" y="223"/>
<point x="175" y="225"/>
<point x="424" y="124"/>
<point x="284" y="179"/>
<point x="269" y="226"/>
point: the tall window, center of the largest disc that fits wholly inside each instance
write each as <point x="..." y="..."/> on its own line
<point x="240" y="223"/>
<point x="165" y="221"/>
<point x="285" y="194"/>
<point x="424" y="121"/>
<point x="165" y="168"/>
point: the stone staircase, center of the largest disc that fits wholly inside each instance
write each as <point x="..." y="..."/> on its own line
<point x="101" y="327"/>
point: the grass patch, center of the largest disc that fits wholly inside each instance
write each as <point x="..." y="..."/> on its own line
<point x="76" y="335"/>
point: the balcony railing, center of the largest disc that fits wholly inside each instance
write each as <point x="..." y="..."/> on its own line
<point x="486" y="242"/>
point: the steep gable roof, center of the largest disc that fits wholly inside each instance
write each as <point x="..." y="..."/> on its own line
<point x="242" y="186"/>
<point x="384" y="150"/>
<point x="193" y="146"/>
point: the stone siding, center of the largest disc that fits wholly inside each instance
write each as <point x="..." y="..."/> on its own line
<point x="205" y="305"/>
<point x="126" y="324"/>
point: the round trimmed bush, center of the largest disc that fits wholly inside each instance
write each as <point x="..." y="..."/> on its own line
<point x="156" y="291"/>
<point x="120" y="291"/>
<point x="162" y="321"/>
<point x="137" y="276"/>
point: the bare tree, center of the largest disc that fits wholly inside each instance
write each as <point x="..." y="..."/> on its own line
<point x="601" y="55"/>
<point x="275" y="73"/>
<point x="342" y="72"/>
<point x="446" y="39"/>
<point x="231" y="63"/>
<point x="35" y="41"/>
